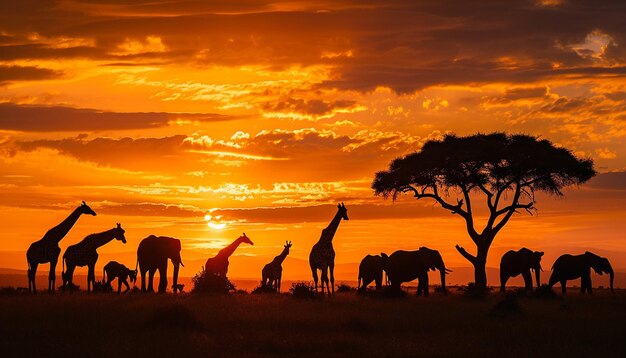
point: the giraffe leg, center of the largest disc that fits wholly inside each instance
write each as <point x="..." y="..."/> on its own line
<point x="278" y="282"/>
<point x="68" y="280"/>
<point x="332" y="276"/>
<point x="315" y="279"/>
<point x="32" y="271"/>
<point x="325" y="280"/>
<point x="52" y="276"/>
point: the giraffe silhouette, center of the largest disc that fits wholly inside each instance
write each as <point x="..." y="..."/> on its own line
<point x="272" y="273"/>
<point x="322" y="255"/>
<point x="85" y="254"/>
<point x="218" y="265"/>
<point x="47" y="249"/>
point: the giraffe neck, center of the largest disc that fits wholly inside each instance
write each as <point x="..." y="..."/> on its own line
<point x="228" y="250"/>
<point x="94" y="241"/>
<point x="58" y="232"/>
<point x="280" y="258"/>
<point x="329" y="232"/>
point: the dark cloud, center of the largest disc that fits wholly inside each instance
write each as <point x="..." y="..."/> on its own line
<point x="612" y="181"/>
<point x="313" y="107"/>
<point x="122" y="153"/>
<point x="32" y="118"/>
<point x="25" y="73"/>
<point x="401" y="45"/>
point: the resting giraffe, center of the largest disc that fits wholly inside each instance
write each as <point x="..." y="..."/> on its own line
<point x="322" y="255"/>
<point x="47" y="249"/>
<point x="218" y="265"/>
<point x="85" y="254"/>
<point x="272" y="273"/>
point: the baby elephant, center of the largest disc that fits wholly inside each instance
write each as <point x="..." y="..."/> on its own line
<point x="114" y="270"/>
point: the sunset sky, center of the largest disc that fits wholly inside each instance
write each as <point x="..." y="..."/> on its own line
<point x="202" y="120"/>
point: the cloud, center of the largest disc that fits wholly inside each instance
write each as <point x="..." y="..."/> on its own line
<point x="405" y="47"/>
<point x="34" y="118"/>
<point x="10" y="74"/>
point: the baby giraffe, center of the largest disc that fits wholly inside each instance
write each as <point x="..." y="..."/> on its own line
<point x="114" y="270"/>
<point x="273" y="272"/>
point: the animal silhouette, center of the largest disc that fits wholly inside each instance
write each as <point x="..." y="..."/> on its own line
<point x="371" y="269"/>
<point x="570" y="267"/>
<point x="218" y="265"/>
<point x="522" y="262"/>
<point x="152" y="255"/>
<point x="272" y="273"/>
<point x="47" y="249"/>
<point x="85" y="254"/>
<point x="322" y="256"/>
<point x="405" y="266"/>
<point x="114" y="270"/>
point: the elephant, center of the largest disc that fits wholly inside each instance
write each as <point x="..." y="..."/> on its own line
<point x="114" y="270"/>
<point x="522" y="262"/>
<point x="371" y="269"/>
<point x="570" y="267"/>
<point x="404" y="266"/>
<point x="152" y="255"/>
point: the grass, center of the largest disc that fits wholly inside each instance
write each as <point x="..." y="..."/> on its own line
<point x="135" y="324"/>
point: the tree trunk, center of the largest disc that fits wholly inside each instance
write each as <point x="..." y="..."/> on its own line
<point x="480" y="272"/>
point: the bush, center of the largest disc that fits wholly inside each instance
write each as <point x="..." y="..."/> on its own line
<point x="302" y="290"/>
<point x="70" y="287"/>
<point x="546" y="292"/>
<point x="345" y="288"/>
<point x="474" y="292"/>
<point x="509" y="305"/>
<point x="204" y="282"/>
<point x="263" y="289"/>
<point x="101" y="286"/>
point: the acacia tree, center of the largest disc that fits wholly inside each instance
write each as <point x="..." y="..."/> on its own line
<point x="506" y="169"/>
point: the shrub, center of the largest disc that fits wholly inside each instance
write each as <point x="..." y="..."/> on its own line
<point x="509" y="305"/>
<point x="545" y="292"/>
<point x="101" y="286"/>
<point x="475" y="292"/>
<point x="204" y="282"/>
<point x="261" y="289"/>
<point x="302" y="290"/>
<point x="345" y="288"/>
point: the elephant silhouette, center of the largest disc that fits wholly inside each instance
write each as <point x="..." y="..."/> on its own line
<point x="570" y="267"/>
<point x="405" y="266"/>
<point x="371" y="269"/>
<point x="152" y="255"/>
<point x="114" y="270"/>
<point x="522" y="261"/>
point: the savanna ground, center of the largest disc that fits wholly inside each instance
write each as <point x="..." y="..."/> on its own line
<point x="136" y="324"/>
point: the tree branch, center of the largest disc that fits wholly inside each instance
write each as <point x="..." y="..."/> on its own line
<point x="514" y="207"/>
<point x="466" y="254"/>
<point x="509" y="213"/>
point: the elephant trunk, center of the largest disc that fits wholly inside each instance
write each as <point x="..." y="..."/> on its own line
<point x="176" y="268"/>
<point x="538" y="277"/>
<point x="442" y="271"/>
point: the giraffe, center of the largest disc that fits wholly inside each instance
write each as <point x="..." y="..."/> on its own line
<point x="85" y="254"/>
<point x="47" y="249"/>
<point x="218" y="265"/>
<point x="322" y="255"/>
<point x="272" y="273"/>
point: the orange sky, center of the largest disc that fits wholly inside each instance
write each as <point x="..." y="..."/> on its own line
<point x="201" y="121"/>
